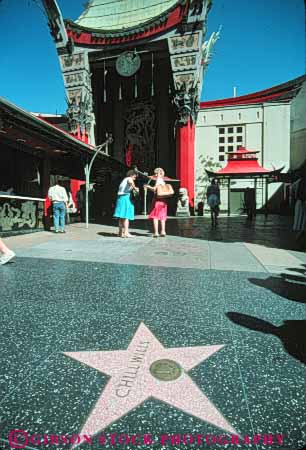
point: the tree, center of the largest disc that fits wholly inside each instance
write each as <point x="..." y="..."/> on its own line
<point x="202" y="181"/>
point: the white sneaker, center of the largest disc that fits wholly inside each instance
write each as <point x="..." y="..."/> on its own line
<point x="7" y="257"/>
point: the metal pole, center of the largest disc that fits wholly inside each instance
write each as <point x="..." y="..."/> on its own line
<point x="229" y="197"/>
<point x="145" y="196"/>
<point x="87" y="170"/>
<point x="86" y="196"/>
<point x="145" y="202"/>
<point x="266" y="199"/>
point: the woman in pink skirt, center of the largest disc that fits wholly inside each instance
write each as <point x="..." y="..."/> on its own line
<point x="158" y="212"/>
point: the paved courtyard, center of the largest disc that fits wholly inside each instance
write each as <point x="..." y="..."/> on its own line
<point x="192" y="341"/>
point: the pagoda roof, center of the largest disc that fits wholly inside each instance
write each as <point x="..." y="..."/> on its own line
<point x="107" y="22"/>
<point x="108" y="15"/>
<point x="243" y="164"/>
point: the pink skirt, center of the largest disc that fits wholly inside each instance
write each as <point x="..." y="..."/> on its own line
<point x="159" y="210"/>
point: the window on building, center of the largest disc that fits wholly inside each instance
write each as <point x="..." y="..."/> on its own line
<point x="221" y="157"/>
<point x="230" y="139"/>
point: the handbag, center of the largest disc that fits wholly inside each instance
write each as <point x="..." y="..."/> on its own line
<point x="134" y="195"/>
<point x="164" y="191"/>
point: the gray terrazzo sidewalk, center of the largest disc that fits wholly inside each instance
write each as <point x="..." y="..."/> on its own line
<point x="190" y="244"/>
<point x="200" y="333"/>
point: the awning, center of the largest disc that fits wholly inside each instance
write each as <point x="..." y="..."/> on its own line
<point x="68" y="155"/>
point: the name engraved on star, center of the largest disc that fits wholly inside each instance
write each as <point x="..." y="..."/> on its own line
<point x="132" y="382"/>
<point x="127" y="379"/>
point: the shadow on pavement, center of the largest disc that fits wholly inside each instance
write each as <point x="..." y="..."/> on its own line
<point x="291" y="333"/>
<point x="110" y="234"/>
<point x="289" y="286"/>
<point x="272" y="231"/>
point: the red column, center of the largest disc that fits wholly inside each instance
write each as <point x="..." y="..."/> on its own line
<point x="75" y="187"/>
<point x="185" y="154"/>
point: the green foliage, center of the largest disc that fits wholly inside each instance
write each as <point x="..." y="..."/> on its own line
<point x="202" y="181"/>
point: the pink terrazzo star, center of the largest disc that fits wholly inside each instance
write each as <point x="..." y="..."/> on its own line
<point x="132" y="382"/>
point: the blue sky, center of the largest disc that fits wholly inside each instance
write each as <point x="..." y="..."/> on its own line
<point x="262" y="44"/>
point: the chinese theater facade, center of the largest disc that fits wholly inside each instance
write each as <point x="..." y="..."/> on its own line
<point x="135" y="69"/>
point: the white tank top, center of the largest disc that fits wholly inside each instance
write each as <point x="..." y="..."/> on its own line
<point x="124" y="187"/>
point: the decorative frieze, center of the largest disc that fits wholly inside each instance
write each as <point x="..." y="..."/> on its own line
<point x="185" y="54"/>
<point x="18" y="214"/>
<point x="73" y="62"/>
<point x="77" y="80"/>
<point x="185" y="62"/>
<point x="184" y="80"/>
<point x="189" y="42"/>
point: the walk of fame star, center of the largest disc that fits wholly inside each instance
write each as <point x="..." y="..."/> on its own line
<point x="147" y="369"/>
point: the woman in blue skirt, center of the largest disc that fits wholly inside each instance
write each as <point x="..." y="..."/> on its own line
<point x="124" y="210"/>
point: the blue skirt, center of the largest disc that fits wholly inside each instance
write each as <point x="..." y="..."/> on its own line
<point x="213" y="201"/>
<point x="124" y="207"/>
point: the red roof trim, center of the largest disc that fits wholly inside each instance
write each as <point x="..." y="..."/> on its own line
<point x="86" y="38"/>
<point x="279" y="91"/>
<point x="242" y="167"/>
<point x="243" y="100"/>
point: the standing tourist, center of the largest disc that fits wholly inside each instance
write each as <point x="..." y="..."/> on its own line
<point x="298" y="192"/>
<point x="125" y="210"/>
<point x="81" y="201"/>
<point x="159" y="208"/>
<point x="58" y="195"/>
<point x="250" y="203"/>
<point x="213" y="200"/>
<point x="6" y="253"/>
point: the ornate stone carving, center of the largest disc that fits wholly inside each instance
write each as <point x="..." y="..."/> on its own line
<point x="140" y="133"/>
<point x="56" y="23"/>
<point x="79" y="112"/>
<point x="18" y="215"/>
<point x="208" y="46"/>
<point x="185" y="51"/>
<point x="187" y="105"/>
<point x="196" y="7"/>
<point x="73" y="114"/>
<point x="186" y="43"/>
<point x="1" y="124"/>
<point x="184" y="80"/>
<point x="182" y="209"/>
<point x="72" y="62"/>
<point x="184" y="62"/>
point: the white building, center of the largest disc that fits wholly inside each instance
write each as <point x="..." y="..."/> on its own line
<point x="272" y="122"/>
